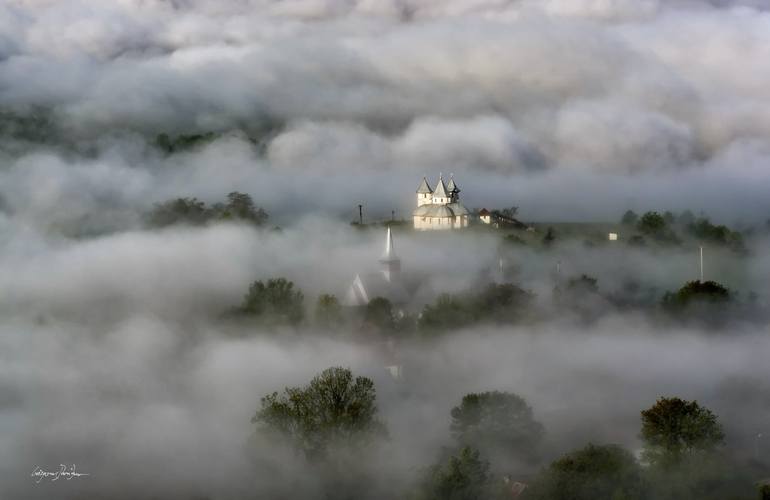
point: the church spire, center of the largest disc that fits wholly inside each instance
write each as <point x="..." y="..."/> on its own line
<point x="390" y="262"/>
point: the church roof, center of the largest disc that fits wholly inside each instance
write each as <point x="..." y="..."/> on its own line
<point x="368" y="286"/>
<point x="440" y="210"/>
<point x="390" y="251"/>
<point x="459" y="209"/>
<point x="451" y="186"/>
<point x="424" y="187"/>
<point x="440" y="190"/>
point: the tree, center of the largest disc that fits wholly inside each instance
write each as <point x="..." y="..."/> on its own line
<point x="275" y="301"/>
<point x="503" y="303"/>
<point x="334" y="410"/>
<point x="697" y="293"/>
<point x="500" y="424"/>
<point x="379" y="313"/>
<point x="240" y="207"/>
<point x="674" y="428"/>
<point x="629" y="218"/>
<point x="583" y="284"/>
<point x="449" y="312"/>
<point x="179" y="211"/>
<point x="669" y="217"/>
<point x="594" y="472"/>
<point x="652" y="224"/>
<point x="328" y="311"/>
<point x="464" y="476"/>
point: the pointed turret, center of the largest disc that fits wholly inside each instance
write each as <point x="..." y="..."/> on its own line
<point x="424" y="187"/>
<point x="454" y="191"/>
<point x="424" y="193"/>
<point x="440" y="194"/>
<point x="391" y="264"/>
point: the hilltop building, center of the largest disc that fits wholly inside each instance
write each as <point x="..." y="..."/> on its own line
<point x="439" y="208"/>
<point x="386" y="283"/>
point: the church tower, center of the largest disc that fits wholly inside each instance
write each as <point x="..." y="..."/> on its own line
<point x="391" y="264"/>
<point x="424" y="193"/>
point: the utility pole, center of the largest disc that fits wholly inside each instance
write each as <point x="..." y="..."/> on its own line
<point x="393" y="215"/>
<point x="361" y="214"/>
<point x="701" y="264"/>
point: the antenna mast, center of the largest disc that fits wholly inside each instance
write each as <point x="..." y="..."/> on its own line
<point x="701" y="264"/>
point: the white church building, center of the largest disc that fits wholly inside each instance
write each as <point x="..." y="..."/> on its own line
<point x="439" y="208"/>
<point x="387" y="283"/>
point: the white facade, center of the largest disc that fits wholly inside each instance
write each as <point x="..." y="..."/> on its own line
<point x="440" y="208"/>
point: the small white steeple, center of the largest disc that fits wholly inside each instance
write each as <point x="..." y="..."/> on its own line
<point x="391" y="264"/>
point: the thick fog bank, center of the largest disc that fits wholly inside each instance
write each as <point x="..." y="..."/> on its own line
<point x="147" y="412"/>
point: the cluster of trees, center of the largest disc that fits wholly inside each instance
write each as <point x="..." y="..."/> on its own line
<point x="278" y="301"/>
<point x="494" y="433"/>
<point x="662" y="228"/>
<point x="191" y="211"/>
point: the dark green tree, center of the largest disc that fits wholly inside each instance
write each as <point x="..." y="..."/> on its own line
<point x="501" y="303"/>
<point x="240" y="207"/>
<point x="448" y="313"/>
<point x="328" y="311"/>
<point x="464" y="476"/>
<point x="591" y="473"/>
<point x="499" y="424"/>
<point x="276" y="301"/>
<point x="334" y="410"/>
<point x="630" y="218"/>
<point x="379" y="314"/>
<point x="652" y="224"/>
<point x="189" y="211"/>
<point x="693" y="293"/>
<point x="673" y="429"/>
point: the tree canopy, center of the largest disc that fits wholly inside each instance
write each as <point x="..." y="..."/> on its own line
<point x="276" y="301"/>
<point x="674" y="428"/>
<point x="191" y="211"/>
<point x="463" y="476"/>
<point x="591" y="473"/>
<point x="500" y="424"/>
<point x="334" y="409"/>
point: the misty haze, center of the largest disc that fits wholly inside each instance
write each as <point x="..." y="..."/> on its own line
<point x="385" y="249"/>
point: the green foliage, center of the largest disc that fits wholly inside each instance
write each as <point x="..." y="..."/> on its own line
<point x="191" y="211"/>
<point x="183" y="142"/>
<point x="705" y="231"/>
<point x="334" y="410"/>
<point x="500" y="303"/>
<point x="273" y="302"/>
<point x="239" y="207"/>
<point x="673" y="429"/>
<point x="379" y="313"/>
<point x="591" y="473"/>
<point x="583" y="284"/>
<point x="464" y="476"/>
<point x="448" y="313"/>
<point x="500" y="424"/>
<point x="764" y="491"/>
<point x="705" y="477"/>
<point x="709" y="293"/>
<point x="651" y="223"/>
<point x="630" y="218"/>
<point x="328" y="312"/>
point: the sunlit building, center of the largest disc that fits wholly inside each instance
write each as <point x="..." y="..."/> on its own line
<point x="439" y="208"/>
